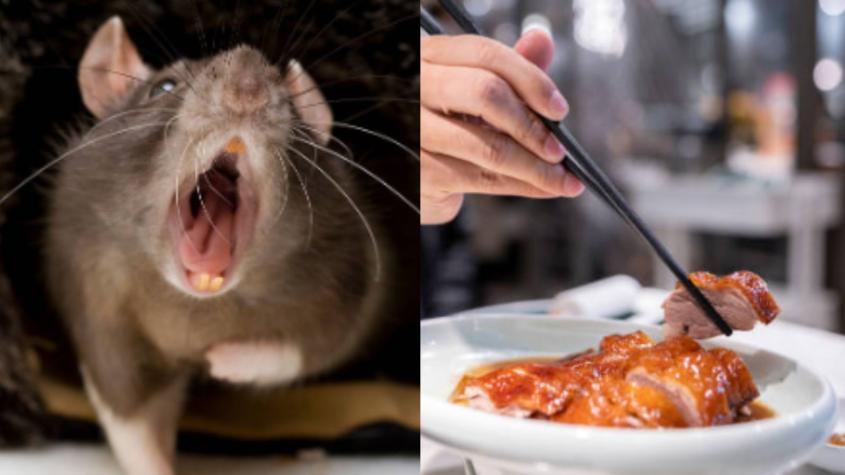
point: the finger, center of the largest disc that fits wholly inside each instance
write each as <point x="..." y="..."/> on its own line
<point x="490" y="150"/>
<point x="480" y="93"/>
<point x="487" y="149"/>
<point x="460" y="176"/>
<point x="440" y="209"/>
<point x="536" y="45"/>
<point x="439" y="200"/>
<point x="529" y="81"/>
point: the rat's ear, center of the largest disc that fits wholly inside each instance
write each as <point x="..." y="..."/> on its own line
<point x="110" y="68"/>
<point x="309" y="102"/>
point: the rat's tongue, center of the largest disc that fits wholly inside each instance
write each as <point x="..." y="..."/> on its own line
<point x="206" y="247"/>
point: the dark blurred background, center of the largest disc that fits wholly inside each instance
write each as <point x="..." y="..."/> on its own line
<point x="722" y="120"/>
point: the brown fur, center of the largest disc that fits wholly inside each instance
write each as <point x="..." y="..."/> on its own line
<point x="106" y="250"/>
<point x="41" y="41"/>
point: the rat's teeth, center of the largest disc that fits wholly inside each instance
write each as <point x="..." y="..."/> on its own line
<point x="216" y="284"/>
<point x="201" y="282"/>
<point x="236" y="145"/>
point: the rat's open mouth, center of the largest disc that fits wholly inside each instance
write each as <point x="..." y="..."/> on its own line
<point x="214" y="218"/>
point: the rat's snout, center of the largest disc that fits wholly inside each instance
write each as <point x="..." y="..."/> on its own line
<point x="245" y="92"/>
<point x="246" y="85"/>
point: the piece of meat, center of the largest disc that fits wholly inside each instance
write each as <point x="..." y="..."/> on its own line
<point x="543" y="389"/>
<point x="707" y="387"/>
<point x="619" y="403"/>
<point x="631" y="382"/>
<point x="741" y="298"/>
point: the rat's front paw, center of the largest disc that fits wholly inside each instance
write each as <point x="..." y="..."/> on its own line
<point x="262" y="363"/>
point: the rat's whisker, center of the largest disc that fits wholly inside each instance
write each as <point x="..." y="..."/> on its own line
<point x="364" y="170"/>
<point x="273" y="28"/>
<point x="199" y="27"/>
<point x="287" y="47"/>
<point x="173" y="54"/>
<point x="305" y="193"/>
<point x="119" y="73"/>
<point x="359" y="113"/>
<point x="168" y="125"/>
<point x="324" y="85"/>
<point x="324" y="29"/>
<point x="75" y="69"/>
<point x="178" y="197"/>
<point x="216" y="191"/>
<point x="342" y="144"/>
<point x="354" y="206"/>
<point x="364" y="130"/>
<point x="152" y="31"/>
<point x="302" y="138"/>
<point x="202" y="203"/>
<point x="356" y="39"/>
<point x="384" y="99"/>
<point x="125" y="113"/>
<point x="70" y="152"/>
<point x="285" y="183"/>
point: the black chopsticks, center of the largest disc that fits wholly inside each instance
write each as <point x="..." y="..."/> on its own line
<point x="579" y="163"/>
<point x="428" y="23"/>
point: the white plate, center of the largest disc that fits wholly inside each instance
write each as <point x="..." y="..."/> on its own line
<point x="832" y="457"/>
<point x="804" y="402"/>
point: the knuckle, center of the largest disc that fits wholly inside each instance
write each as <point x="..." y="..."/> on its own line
<point x="488" y="51"/>
<point x="491" y="89"/>
<point x="496" y="150"/>
<point x="487" y="180"/>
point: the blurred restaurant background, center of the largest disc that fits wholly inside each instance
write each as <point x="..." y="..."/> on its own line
<point x="722" y="121"/>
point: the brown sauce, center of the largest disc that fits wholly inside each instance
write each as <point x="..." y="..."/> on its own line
<point x="837" y="439"/>
<point x="755" y="411"/>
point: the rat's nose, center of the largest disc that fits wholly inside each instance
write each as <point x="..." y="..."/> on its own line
<point x="245" y="91"/>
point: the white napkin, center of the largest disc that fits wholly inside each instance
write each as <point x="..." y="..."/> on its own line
<point x="605" y="298"/>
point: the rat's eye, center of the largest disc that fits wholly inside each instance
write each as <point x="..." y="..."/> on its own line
<point x="165" y="85"/>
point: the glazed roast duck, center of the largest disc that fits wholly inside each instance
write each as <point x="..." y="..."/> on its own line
<point x="634" y="381"/>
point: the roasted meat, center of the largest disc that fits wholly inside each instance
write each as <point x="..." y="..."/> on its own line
<point x="742" y="298"/>
<point x="630" y="382"/>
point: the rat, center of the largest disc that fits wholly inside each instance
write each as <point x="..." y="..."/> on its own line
<point x="203" y="228"/>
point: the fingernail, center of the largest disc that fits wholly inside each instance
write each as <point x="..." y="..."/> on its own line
<point x="553" y="148"/>
<point x="559" y="105"/>
<point x="572" y="186"/>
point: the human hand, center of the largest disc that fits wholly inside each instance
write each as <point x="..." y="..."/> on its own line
<point x="478" y="132"/>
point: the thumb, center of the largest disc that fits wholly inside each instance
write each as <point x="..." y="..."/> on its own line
<point x="536" y="46"/>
